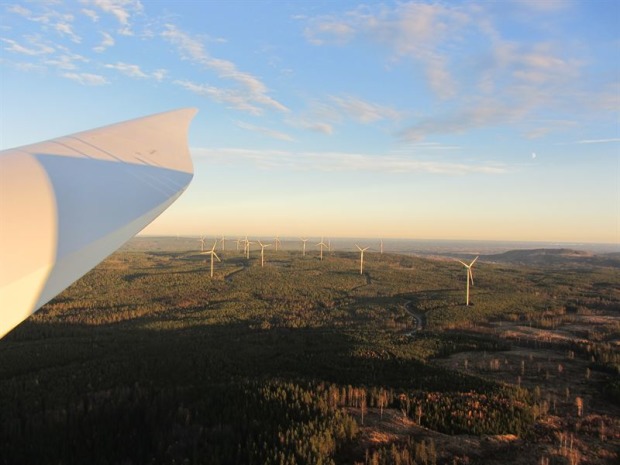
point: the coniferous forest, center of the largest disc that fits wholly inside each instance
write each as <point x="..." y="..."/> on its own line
<point x="148" y="360"/>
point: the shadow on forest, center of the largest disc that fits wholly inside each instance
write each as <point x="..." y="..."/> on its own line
<point x="124" y="354"/>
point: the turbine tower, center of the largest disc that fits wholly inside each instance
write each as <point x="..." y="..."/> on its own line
<point x="223" y="241"/>
<point x="202" y="243"/>
<point x="247" y="247"/>
<point x="213" y="254"/>
<point x="469" y="277"/>
<point x="304" y="246"/>
<point x="361" y="257"/>
<point x="278" y="242"/>
<point x="381" y="246"/>
<point x="321" y="245"/>
<point x="262" y="252"/>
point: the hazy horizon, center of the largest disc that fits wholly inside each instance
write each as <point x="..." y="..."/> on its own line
<point x="396" y="245"/>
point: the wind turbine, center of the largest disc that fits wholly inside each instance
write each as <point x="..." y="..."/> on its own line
<point x="304" y="246"/>
<point x="247" y="247"/>
<point x="202" y="243"/>
<point x="223" y="241"/>
<point x="238" y="241"/>
<point x="321" y="245"/>
<point x="362" y="257"/>
<point x="278" y="242"/>
<point x="470" y="276"/>
<point x="262" y="252"/>
<point x="381" y="246"/>
<point x="213" y="254"/>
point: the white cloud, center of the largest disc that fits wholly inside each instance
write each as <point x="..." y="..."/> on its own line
<point x="498" y="82"/>
<point x="231" y="97"/>
<point x="416" y="31"/>
<point x="323" y="115"/>
<point x="363" y="111"/>
<point x="127" y="69"/>
<point x="106" y="42"/>
<point x="545" y="6"/>
<point x="265" y="131"/>
<point x="134" y="71"/>
<point x="91" y="14"/>
<point x="122" y="10"/>
<point x="312" y="125"/>
<point x="87" y="79"/>
<point x="34" y="47"/>
<point x="159" y="74"/>
<point x="326" y="30"/>
<point x="483" y="112"/>
<point x="342" y="161"/>
<point x="598" y="141"/>
<point x="66" y="61"/>
<point x="250" y="95"/>
<point x="66" y="29"/>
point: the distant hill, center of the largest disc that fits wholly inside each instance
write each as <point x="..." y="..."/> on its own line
<point x="553" y="257"/>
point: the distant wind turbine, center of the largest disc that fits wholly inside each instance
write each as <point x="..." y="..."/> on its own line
<point x="381" y="246"/>
<point x="321" y="245"/>
<point x="238" y="241"/>
<point x="202" y="243"/>
<point x="247" y="247"/>
<point x="362" y="257"/>
<point x="278" y="242"/>
<point x="213" y="254"/>
<point x="304" y="246"/>
<point x="470" y="276"/>
<point x="262" y="252"/>
<point x="223" y="242"/>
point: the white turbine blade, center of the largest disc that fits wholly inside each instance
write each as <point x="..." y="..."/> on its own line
<point x="464" y="264"/>
<point x="68" y="203"/>
<point x="358" y="247"/>
<point x="215" y="255"/>
<point x="471" y="264"/>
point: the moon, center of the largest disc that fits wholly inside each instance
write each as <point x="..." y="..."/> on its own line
<point x="533" y="155"/>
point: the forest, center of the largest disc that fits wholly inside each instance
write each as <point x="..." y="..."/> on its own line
<point x="149" y="360"/>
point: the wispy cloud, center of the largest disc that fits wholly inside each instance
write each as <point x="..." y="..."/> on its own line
<point x="342" y="161"/>
<point x="311" y="125"/>
<point x="33" y="48"/>
<point x="122" y="10"/>
<point x="535" y="78"/>
<point x="66" y="60"/>
<point x="86" y="79"/>
<point x="127" y="69"/>
<point x="106" y="42"/>
<point x="265" y="131"/>
<point x="417" y="31"/>
<point x="66" y="29"/>
<point x="134" y="71"/>
<point x="92" y="14"/>
<point x="548" y="6"/>
<point x="231" y="97"/>
<point x="249" y="95"/>
<point x="323" y="115"/>
<point x="597" y="141"/>
<point x="364" y="111"/>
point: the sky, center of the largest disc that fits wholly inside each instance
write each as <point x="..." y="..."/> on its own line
<point x="488" y="120"/>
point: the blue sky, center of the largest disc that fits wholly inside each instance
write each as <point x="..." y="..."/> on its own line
<point x="492" y="120"/>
